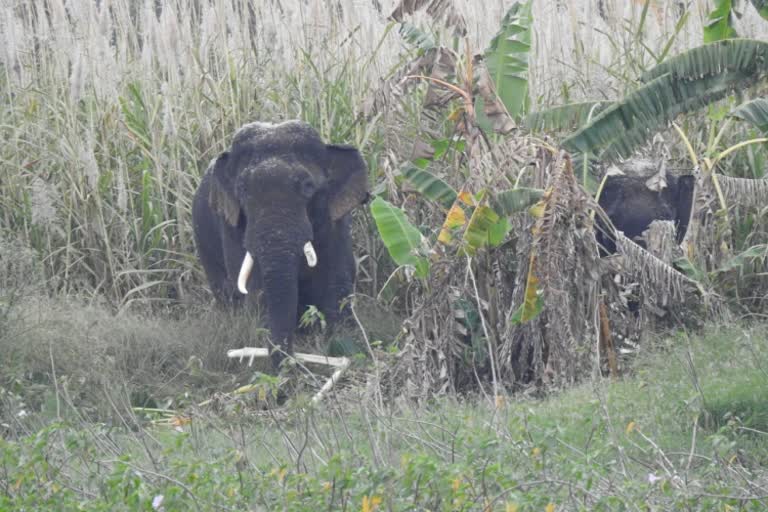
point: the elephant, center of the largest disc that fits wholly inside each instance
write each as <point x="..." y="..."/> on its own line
<point x="272" y="224"/>
<point x="632" y="206"/>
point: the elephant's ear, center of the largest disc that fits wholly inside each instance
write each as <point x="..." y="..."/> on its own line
<point x="222" y="195"/>
<point x="348" y="180"/>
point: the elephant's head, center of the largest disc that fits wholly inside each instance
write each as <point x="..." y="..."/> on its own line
<point x="632" y="206"/>
<point x="284" y="188"/>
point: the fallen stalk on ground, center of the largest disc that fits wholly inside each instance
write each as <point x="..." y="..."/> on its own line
<point x="340" y="363"/>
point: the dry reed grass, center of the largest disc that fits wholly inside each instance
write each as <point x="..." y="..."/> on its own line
<point x="112" y="109"/>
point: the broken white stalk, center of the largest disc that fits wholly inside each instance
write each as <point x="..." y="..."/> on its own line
<point x="340" y="363"/>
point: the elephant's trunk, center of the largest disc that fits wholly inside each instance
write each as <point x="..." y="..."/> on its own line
<point x="281" y="295"/>
<point x="279" y="246"/>
<point x="247" y="266"/>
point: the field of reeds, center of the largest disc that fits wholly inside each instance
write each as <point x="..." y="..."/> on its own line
<point x="112" y="110"/>
<point x="114" y="390"/>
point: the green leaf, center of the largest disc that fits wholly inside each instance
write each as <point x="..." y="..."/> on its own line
<point x="754" y="112"/>
<point x="430" y="186"/>
<point x="738" y="261"/>
<point x="497" y="233"/>
<point x="528" y="310"/>
<point x="681" y="84"/>
<point x="440" y="146"/>
<point x="136" y="116"/>
<point x="149" y="216"/>
<point x="565" y="117"/>
<point x="720" y="24"/>
<point x="477" y="233"/>
<point x="400" y="237"/>
<point x="507" y="60"/>
<point x="731" y="55"/>
<point x="416" y="36"/>
<point x="688" y="268"/>
<point x="516" y="200"/>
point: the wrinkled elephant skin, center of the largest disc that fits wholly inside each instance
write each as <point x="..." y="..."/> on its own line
<point x="632" y="206"/>
<point x="272" y="220"/>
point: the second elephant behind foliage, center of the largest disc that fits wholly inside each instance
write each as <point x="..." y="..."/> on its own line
<point x="632" y="206"/>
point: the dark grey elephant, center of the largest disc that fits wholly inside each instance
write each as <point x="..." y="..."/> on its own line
<point x="632" y="206"/>
<point x="272" y="215"/>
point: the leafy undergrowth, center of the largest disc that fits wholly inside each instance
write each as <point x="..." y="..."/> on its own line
<point x="687" y="430"/>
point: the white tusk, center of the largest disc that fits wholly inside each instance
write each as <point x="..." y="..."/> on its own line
<point x="245" y="272"/>
<point x="309" y="253"/>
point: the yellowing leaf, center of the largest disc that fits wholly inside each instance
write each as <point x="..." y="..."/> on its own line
<point x="536" y="451"/>
<point x="371" y="504"/>
<point x="478" y="228"/>
<point x="455" y="219"/>
<point x="279" y="473"/>
<point x="537" y="210"/>
<point x="456" y="484"/>
<point x="630" y="427"/>
<point x="180" y="421"/>
<point x="511" y="507"/>
<point x="550" y="508"/>
<point x="532" y="303"/>
<point x="248" y="388"/>
<point x="455" y="115"/>
<point x="466" y="198"/>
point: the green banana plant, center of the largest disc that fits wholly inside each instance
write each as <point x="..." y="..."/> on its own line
<point x="720" y="25"/>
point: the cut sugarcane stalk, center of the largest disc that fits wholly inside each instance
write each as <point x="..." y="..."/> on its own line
<point x="340" y="363"/>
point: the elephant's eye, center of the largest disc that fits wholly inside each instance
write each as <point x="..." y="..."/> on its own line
<point x="307" y="188"/>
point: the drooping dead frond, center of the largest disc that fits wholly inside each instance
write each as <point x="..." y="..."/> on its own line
<point x="556" y="347"/>
<point x="397" y="85"/>
<point x="440" y="10"/>
<point x="744" y="191"/>
<point x="506" y="164"/>
<point x="653" y="274"/>
<point x="494" y="109"/>
<point x="660" y="239"/>
<point x="443" y="69"/>
<point x="708" y="237"/>
<point x="562" y="193"/>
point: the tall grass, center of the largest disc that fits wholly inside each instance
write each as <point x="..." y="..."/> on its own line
<point x="111" y="113"/>
<point x="111" y="110"/>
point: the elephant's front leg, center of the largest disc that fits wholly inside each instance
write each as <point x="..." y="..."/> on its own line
<point x="323" y="289"/>
<point x="313" y="288"/>
<point x="338" y="286"/>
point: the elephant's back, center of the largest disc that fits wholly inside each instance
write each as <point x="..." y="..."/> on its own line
<point x="632" y="206"/>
